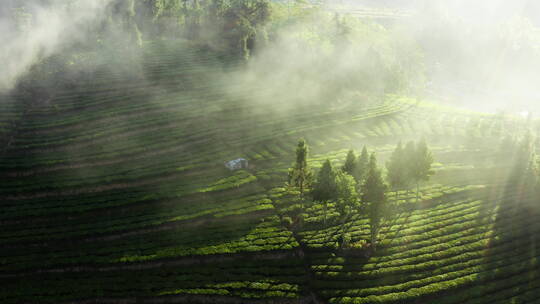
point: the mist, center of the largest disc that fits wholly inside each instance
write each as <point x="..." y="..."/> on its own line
<point x="36" y="32"/>
<point x="481" y="55"/>
<point x="269" y="151"/>
<point x="484" y="55"/>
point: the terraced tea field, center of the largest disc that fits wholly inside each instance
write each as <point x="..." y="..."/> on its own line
<point x="116" y="193"/>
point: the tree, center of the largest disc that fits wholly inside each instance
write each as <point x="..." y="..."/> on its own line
<point x="245" y="20"/>
<point x="235" y="24"/>
<point x="346" y="192"/>
<point x="396" y="167"/>
<point x="374" y="196"/>
<point x="325" y="187"/>
<point x="361" y="166"/>
<point x="409" y="158"/>
<point x="350" y="163"/>
<point x="421" y="165"/>
<point x="300" y="175"/>
<point x="123" y="13"/>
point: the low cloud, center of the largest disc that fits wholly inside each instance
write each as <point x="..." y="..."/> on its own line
<point x="33" y="32"/>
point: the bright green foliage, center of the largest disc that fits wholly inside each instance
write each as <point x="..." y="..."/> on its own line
<point x="350" y="163"/>
<point x="325" y="188"/>
<point x="346" y="192"/>
<point x="300" y="175"/>
<point x="374" y="195"/>
<point x="396" y="167"/>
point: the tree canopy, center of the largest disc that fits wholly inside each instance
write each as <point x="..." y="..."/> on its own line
<point x="300" y="174"/>
<point x="325" y="187"/>
<point x="374" y="195"/>
<point x="397" y="169"/>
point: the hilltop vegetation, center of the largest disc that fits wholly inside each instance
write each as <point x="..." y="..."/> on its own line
<point x="114" y="187"/>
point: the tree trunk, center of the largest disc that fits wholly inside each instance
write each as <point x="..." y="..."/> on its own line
<point x="374" y="238"/>
<point x="244" y="47"/>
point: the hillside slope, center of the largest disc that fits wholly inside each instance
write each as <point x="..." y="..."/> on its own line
<point x="117" y="192"/>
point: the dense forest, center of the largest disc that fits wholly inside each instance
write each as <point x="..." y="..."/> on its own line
<point x="310" y="43"/>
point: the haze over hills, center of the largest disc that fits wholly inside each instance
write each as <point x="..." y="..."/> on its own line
<point x="249" y="151"/>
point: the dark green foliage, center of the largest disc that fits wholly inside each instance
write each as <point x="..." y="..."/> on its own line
<point x="374" y="195"/>
<point x="337" y="185"/>
<point x="300" y="175"/>
<point x="418" y="161"/>
<point x="244" y="21"/>
<point x="362" y="166"/>
<point x="346" y="192"/>
<point x="374" y="186"/>
<point x="325" y="188"/>
<point x="350" y="163"/>
<point x="234" y="24"/>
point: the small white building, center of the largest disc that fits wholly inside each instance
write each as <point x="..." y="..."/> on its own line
<point x="236" y="164"/>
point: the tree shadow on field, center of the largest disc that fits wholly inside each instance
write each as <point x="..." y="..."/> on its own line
<point x="510" y="269"/>
<point x="360" y="266"/>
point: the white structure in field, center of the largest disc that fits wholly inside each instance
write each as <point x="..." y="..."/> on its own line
<point x="235" y="164"/>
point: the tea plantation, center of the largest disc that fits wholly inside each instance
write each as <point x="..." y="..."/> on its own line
<point x="116" y="192"/>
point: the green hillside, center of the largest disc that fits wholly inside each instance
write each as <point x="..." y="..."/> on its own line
<point x="116" y="192"/>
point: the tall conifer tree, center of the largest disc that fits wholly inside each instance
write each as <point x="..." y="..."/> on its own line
<point x="325" y="187"/>
<point x="300" y="175"/>
<point x="396" y="167"/>
<point x="350" y="163"/>
<point x="362" y="166"/>
<point x="422" y="165"/>
<point x="374" y="195"/>
<point x="409" y="156"/>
